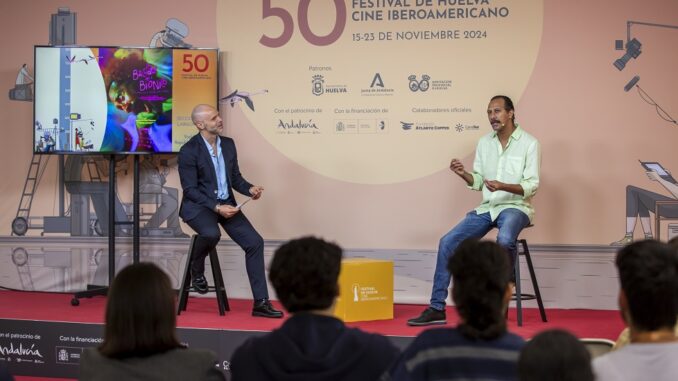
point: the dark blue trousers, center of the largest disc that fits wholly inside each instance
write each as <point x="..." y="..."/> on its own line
<point x="241" y="231"/>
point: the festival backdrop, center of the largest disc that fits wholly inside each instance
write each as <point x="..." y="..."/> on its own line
<point x="349" y="111"/>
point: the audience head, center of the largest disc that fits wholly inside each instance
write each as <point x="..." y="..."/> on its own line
<point x="648" y="273"/>
<point x="673" y="242"/>
<point x="480" y="288"/>
<point x="140" y="313"/>
<point x="305" y="273"/>
<point x="555" y="355"/>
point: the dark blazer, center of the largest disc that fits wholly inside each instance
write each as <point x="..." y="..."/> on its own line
<point x="176" y="364"/>
<point x="199" y="179"/>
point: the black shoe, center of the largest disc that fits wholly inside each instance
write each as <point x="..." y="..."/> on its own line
<point x="264" y="308"/>
<point x="200" y="284"/>
<point x="430" y="316"/>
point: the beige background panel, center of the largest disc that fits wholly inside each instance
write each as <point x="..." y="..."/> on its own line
<point x="592" y="132"/>
<point x="394" y="155"/>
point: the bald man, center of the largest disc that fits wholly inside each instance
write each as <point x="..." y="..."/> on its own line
<point x="208" y="169"/>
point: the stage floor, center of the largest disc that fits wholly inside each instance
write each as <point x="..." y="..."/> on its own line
<point x="40" y="307"/>
<point x="202" y="313"/>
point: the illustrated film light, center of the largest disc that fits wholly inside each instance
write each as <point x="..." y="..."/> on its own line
<point x="632" y="51"/>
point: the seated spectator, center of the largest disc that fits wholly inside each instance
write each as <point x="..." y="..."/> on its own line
<point x="479" y="348"/>
<point x="555" y="355"/>
<point x="312" y="344"/>
<point x="140" y="340"/>
<point x="624" y="337"/>
<point x="648" y="300"/>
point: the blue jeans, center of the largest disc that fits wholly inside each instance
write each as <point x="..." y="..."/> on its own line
<point x="510" y="223"/>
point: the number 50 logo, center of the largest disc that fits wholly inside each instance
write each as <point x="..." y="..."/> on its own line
<point x="200" y="63"/>
<point x="304" y="28"/>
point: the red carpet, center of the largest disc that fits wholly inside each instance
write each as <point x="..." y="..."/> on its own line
<point x="203" y="313"/>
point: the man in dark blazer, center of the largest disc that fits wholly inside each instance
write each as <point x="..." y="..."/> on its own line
<point x="208" y="169"/>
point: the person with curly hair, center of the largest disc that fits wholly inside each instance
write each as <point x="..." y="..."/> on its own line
<point x="312" y="344"/>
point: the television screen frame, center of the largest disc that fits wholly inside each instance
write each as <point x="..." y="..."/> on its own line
<point x="130" y="126"/>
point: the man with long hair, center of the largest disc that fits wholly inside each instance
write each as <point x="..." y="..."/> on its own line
<point x="506" y="170"/>
<point x="480" y="347"/>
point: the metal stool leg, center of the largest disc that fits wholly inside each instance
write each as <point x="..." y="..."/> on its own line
<point x="535" y="285"/>
<point x="219" y="288"/>
<point x="185" y="285"/>
<point x="519" y="295"/>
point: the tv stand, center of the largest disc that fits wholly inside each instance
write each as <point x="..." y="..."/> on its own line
<point x="96" y="290"/>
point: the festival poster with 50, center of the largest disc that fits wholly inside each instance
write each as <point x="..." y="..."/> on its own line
<point x="377" y="91"/>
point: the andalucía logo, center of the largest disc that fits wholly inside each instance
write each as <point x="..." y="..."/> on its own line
<point x="406" y="125"/>
<point x="20" y="350"/>
<point x="318" y="84"/>
<point x="298" y="124"/>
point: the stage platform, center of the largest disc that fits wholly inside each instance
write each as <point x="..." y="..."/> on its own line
<point x="42" y="335"/>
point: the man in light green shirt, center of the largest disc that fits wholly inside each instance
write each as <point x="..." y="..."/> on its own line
<point x="506" y="170"/>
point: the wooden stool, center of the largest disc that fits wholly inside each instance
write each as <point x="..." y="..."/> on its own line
<point x="222" y="298"/>
<point x="519" y="296"/>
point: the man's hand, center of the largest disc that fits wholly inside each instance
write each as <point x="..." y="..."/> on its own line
<point x="494" y="185"/>
<point x="227" y="211"/>
<point x="457" y="167"/>
<point x="652" y="175"/>
<point x="256" y="192"/>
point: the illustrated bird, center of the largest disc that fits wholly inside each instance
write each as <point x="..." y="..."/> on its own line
<point x="238" y="96"/>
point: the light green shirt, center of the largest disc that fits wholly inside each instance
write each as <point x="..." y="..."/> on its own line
<point x="517" y="164"/>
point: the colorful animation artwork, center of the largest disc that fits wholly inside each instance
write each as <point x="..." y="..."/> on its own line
<point x="119" y="99"/>
<point x="139" y="90"/>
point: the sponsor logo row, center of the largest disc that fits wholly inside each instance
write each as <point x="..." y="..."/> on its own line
<point x="33" y="349"/>
<point x="421" y="83"/>
<point x="365" y="126"/>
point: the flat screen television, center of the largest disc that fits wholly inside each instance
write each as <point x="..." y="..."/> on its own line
<point x="119" y="99"/>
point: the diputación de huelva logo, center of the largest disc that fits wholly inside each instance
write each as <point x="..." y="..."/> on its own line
<point x="319" y="87"/>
